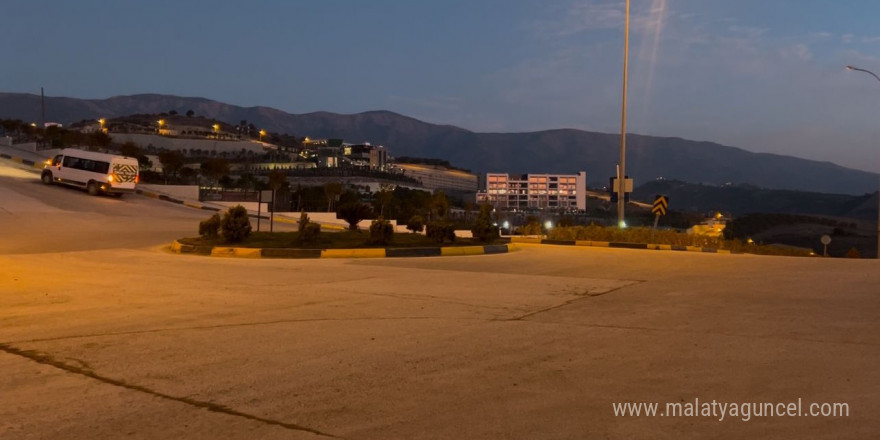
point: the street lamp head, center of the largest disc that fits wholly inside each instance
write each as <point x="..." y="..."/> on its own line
<point x="850" y="68"/>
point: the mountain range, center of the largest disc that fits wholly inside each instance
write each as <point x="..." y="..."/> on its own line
<point x="743" y="199"/>
<point x="549" y="151"/>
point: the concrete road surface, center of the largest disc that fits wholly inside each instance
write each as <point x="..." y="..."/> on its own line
<point x="103" y="334"/>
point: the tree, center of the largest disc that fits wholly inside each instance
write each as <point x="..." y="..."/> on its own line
<point x="415" y="224"/>
<point x="353" y="213"/>
<point x="226" y="182"/>
<point x="246" y="182"/>
<point x="130" y="149"/>
<point x="173" y="112"/>
<point x="215" y="168"/>
<point x="381" y="232"/>
<point x="277" y="179"/>
<point x="439" y="206"/>
<point x="99" y="139"/>
<point x="187" y="174"/>
<point x="332" y="190"/>
<point x="483" y="228"/>
<point x="384" y="198"/>
<point x="190" y="113"/>
<point x="172" y="161"/>
<point x="235" y="225"/>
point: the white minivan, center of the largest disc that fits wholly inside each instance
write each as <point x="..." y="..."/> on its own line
<point x="96" y="172"/>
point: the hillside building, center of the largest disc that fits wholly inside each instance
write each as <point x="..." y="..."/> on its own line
<point x="439" y="177"/>
<point x="558" y="192"/>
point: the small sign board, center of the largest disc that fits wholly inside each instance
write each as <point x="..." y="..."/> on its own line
<point x="627" y="185"/>
<point x="661" y="202"/>
<point x="826" y="240"/>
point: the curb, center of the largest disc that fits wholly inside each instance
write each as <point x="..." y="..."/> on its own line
<point x="164" y="198"/>
<point x="623" y="245"/>
<point x="30" y="163"/>
<point x="196" y="205"/>
<point x="239" y="252"/>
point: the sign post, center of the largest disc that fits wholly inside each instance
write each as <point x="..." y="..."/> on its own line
<point x="269" y="197"/>
<point x="661" y="202"/>
<point x="826" y="240"/>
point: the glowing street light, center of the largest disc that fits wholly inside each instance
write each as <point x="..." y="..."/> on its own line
<point x="262" y="133"/>
<point x="878" y="193"/>
<point x="621" y="170"/>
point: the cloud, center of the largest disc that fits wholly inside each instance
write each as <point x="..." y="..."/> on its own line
<point x="852" y="54"/>
<point x="585" y="16"/>
<point x="847" y="38"/>
<point x="747" y="31"/>
<point x="798" y="51"/>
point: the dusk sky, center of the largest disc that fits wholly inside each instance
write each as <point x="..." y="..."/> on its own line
<point x="763" y="75"/>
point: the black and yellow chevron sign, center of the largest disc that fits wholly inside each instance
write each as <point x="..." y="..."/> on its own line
<point x="126" y="173"/>
<point x="661" y="202"/>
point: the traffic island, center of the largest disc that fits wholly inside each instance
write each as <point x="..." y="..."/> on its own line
<point x="300" y="253"/>
<point x="622" y="245"/>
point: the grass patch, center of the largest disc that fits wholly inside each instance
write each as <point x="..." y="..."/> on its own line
<point x="644" y="235"/>
<point x="326" y="240"/>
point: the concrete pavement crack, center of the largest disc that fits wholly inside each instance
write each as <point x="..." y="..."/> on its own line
<point x="572" y="301"/>
<point x="242" y="324"/>
<point x="210" y="406"/>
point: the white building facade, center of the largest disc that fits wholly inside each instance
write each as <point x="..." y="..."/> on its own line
<point x="556" y="192"/>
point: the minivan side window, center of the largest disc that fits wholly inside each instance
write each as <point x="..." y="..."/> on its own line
<point x="87" y="164"/>
<point x="57" y="160"/>
<point x="71" y="162"/>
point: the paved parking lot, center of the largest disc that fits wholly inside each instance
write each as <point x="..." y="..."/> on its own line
<point x="105" y="334"/>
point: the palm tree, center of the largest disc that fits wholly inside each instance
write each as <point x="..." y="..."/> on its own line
<point x="332" y="190"/>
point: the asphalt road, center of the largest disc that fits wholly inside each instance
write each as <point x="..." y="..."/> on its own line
<point x="103" y="334"/>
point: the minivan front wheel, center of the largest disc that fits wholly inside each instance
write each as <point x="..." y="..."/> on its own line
<point x="93" y="189"/>
<point x="47" y="178"/>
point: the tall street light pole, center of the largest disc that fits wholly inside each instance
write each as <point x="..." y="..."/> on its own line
<point x="621" y="170"/>
<point x="878" y="191"/>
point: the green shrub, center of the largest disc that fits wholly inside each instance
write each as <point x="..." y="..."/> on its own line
<point x="235" y="225"/>
<point x="309" y="233"/>
<point x="303" y="221"/>
<point x="441" y="231"/>
<point x="210" y="228"/>
<point x="381" y="232"/>
<point x="483" y="229"/>
<point x="415" y="224"/>
<point x="664" y="236"/>
<point x="532" y="226"/>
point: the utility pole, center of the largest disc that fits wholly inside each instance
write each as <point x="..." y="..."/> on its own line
<point x="621" y="171"/>
<point x="42" y="109"/>
<point x="878" y="192"/>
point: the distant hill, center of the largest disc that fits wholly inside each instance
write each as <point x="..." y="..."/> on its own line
<point x="565" y="150"/>
<point x="743" y="199"/>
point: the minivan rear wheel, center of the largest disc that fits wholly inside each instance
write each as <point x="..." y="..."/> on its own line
<point x="93" y="189"/>
<point x="47" y="178"/>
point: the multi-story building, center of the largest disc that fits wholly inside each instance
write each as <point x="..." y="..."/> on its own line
<point x="364" y="155"/>
<point x="535" y="191"/>
<point x="440" y="177"/>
